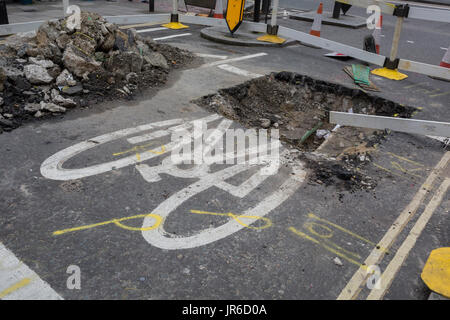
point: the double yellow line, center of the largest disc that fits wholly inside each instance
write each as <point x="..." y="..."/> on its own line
<point x="356" y="283"/>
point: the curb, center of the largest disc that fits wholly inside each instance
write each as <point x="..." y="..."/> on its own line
<point x="246" y="39"/>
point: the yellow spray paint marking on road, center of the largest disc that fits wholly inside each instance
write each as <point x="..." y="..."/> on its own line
<point x="313" y="216"/>
<point x="22" y="283"/>
<point x="436" y="273"/>
<point x="405" y="159"/>
<point x="400" y="164"/>
<point x="323" y="233"/>
<point x="426" y="89"/>
<point x="234" y="14"/>
<point x="337" y="252"/>
<point x="118" y="223"/>
<point x="141" y="147"/>
<point x="268" y="222"/>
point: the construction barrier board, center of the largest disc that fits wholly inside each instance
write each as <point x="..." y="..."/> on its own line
<point x="414" y="126"/>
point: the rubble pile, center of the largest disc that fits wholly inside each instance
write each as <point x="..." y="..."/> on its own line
<point x="55" y="68"/>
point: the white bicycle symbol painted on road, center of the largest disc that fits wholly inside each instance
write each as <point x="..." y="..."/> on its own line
<point x="52" y="168"/>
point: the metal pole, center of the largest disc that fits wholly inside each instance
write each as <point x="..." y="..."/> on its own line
<point x="336" y="10"/>
<point x="3" y="13"/>
<point x="275" y="13"/>
<point x="151" y="5"/>
<point x="65" y="6"/>
<point x="257" y="10"/>
<point x="175" y="7"/>
<point x="266" y="8"/>
<point x="396" y="39"/>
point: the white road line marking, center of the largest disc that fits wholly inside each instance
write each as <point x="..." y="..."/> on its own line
<point x="354" y="286"/>
<point x="18" y="282"/>
<point x="151" y="30"/>
<point x="173" y="36"/>
<point x="402" y="253"/>
<point x="215" y="56"/>
<point x="238" y="71"/>
<point x="251" y="56"/>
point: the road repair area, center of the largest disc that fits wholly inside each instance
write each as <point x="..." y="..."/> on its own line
<point x="88" y="188"/>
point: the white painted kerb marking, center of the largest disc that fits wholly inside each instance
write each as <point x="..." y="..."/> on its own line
<point x="214" y="56"/>
<point x="238" y="71"/>
<point x="151" y="30"/>
<point x="251" y="56"/>
<point x="13" y="271"/>
<point x="173" y="36"/>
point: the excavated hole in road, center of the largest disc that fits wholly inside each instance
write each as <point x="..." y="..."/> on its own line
<point x="297" y="105"/>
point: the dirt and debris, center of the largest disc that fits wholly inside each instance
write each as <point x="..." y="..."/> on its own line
<point x="299" y="107"/>
<point x="54" y="69"/>
<point x="296" y="105"/>
<point x="345" y="176"/>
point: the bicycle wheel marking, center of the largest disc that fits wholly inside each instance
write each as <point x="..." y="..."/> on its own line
<point x="160" y="238"/>
<point x="153" y="224"/>
<point x="52" y="167"/>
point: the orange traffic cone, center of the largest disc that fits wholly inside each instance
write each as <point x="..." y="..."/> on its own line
<point x="446" y="59"/>
<point x="218" y="11"/>
<point x="317" y="24"/>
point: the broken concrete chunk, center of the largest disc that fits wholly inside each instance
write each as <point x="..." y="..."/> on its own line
<point x="72" y="90"/>
<point x="60" y="100"/>
<point x="156" y="59"/>
<point x="132" y="78"/>
<point x="65" y="79"/>
<point x="122" y="63"/>
<point x="49" y="106"/>
<point x="12" y="72"/>
<point x="43" y="63"/>
<point x="78" y="63"/>
<point x="37" y="74"/>
<point x="38" y="114"/>
<point x="265" y="123"/>
<point x="63" y="40"/>
<point x="122" y="41"/>
<point x="337" y="261"/>
<point x="32" y="107"/>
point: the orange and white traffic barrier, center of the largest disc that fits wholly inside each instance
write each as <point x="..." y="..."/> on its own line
<point x="317" y="24"/>
<point x="446" y="59"/>
<point x="218" y="11"/>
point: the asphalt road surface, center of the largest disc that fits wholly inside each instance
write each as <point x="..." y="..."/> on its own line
<point x="75" y="198"/>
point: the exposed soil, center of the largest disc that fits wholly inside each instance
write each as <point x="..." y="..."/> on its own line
<point x="299" y="107"/>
